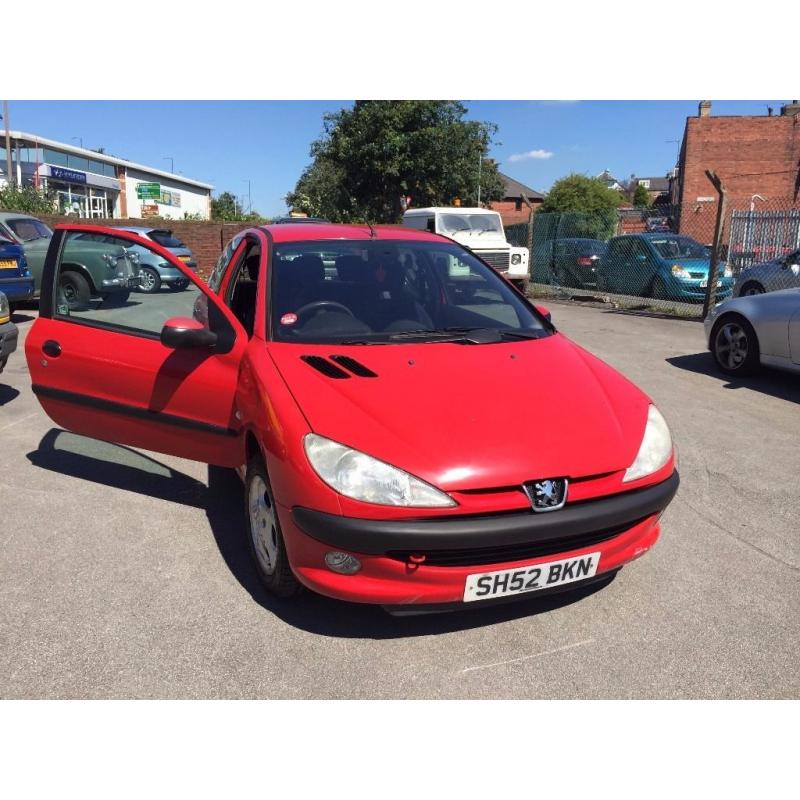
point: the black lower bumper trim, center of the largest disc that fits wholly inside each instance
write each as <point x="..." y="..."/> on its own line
<point x="377" y="537"/>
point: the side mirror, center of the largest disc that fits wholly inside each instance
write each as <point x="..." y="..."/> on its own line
<point x="183" y="332"/>
<point x="544" y="311"/>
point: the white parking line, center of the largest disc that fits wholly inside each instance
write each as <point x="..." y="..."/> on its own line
<point x="527" y="658"/>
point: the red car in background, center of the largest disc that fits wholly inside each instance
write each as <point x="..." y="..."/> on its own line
<point x="361" y="381"/>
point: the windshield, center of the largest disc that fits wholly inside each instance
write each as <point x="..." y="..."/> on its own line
<point x="479" y="223"/>
<point x="27" y="229"/>
<point x="679" y="247"/>
<point x="371" y="292"/>
<point x="166" y="239"/>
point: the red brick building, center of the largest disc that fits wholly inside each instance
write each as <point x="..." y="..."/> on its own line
<point x="752" y="156"/>
<point x="512" y="208"/>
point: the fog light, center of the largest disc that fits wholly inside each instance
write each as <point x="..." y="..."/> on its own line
<point x="343" y="563"/>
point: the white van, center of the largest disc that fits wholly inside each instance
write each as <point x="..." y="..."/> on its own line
<point x="479" y="229"/>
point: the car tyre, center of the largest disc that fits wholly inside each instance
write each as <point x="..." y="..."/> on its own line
<point x="178" y="286"/>
<point x="734" y="345"/>
<point x="751" y="288"/>
<point x="75" y="290"/>
<point x="150" y="280"/>
<point x="264" y="534"/>
<point x="659" y="289"/>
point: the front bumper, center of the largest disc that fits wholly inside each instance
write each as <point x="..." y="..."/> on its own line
<point x="8" y="342"/>
<point x="446" y="550"/>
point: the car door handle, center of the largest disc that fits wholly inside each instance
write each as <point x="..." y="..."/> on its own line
<point x="51" y="348"/>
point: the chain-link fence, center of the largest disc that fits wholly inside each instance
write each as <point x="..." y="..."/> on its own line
<point x="659" y="258"/>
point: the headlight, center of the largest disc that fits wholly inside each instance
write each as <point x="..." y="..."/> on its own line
<point x="728" y="273"/>
<point x="679" y="272"/>
<point x="655" y="450"/>
<point x="362" y="477"/>
<point x="516" y="258"/>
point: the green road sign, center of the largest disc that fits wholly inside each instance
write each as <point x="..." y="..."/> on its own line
<point x="148" y="191"/>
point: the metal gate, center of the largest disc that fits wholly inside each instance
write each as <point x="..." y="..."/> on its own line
<point x="761" y="236"/>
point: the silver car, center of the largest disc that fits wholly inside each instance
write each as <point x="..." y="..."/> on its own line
<point x="155" y="272"/>
<point x="769" y="276"/>
<point x="744" y="333"/>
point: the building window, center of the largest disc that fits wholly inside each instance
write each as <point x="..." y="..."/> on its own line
<point x="55" y="157"/>
<point x="518" y="204"/>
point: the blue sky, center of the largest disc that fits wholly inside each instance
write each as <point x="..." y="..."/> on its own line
<point x="227" y="142"/>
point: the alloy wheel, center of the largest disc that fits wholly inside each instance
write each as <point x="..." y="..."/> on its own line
<point x="731" y="345"/>
<point x="263" y="524"/>
<point x="148" y="279"/>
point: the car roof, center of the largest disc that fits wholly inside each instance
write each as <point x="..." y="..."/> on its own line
<point x="416" y="212"/>
<point x="17" y="215"/>
<point x="316" y="231"/>
<point x="138" y="228"/>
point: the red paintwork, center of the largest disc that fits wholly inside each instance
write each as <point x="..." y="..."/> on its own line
<point x="462" y="418"/>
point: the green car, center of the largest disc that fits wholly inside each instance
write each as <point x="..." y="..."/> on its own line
<point x="89" y="268"/>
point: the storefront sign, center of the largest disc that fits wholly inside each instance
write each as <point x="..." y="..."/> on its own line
<point x="68" y="175"/>
<point x="148" y="191"/>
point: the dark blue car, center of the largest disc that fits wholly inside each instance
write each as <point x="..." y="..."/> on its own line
<point x="666" y="266"/>
<point x="16" y="282"/>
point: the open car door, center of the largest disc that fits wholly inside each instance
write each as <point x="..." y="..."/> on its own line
<point x="156" y="370"/>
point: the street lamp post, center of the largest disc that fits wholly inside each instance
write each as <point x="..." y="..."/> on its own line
<point x="80" y="140"/>
<point x="171" y="163"/>
<point x="249" y="196"/>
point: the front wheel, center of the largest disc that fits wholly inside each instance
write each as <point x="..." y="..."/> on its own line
<point x="74" y="289"/>
<point x="264" y="533"/>
<point x="735" y="345"/>
<point x="751" y="288"/>
<point x="149" y="280"/>
<point x="659" y="289"/>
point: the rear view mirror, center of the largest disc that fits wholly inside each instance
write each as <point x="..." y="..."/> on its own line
<point x="184" y="332"/>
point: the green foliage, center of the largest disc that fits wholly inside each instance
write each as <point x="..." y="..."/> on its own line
<point x="580" y="193"/>
<point x="641" y="197"/>
<point x="371" y="155"/>
<point x="27" y="199"/>
<point x="226" y="208"/>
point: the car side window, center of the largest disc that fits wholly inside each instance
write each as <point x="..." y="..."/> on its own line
<point x="240" y="294"/>
<point x="98" y="281"/>
<point x="218" y="273"/>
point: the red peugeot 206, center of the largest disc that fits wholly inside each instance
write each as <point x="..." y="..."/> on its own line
<point x="411" y="431"/>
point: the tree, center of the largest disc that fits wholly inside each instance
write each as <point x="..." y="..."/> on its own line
<point x="580" y="193"/>
<point x="27" y="199"/>
<point x="381" y="150"/>
<point x="582" y="206"/>
<point x="641" y="197"/>
<point x="225" y="207"/>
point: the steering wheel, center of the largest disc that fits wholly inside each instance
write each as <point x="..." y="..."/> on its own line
<point x="320" y="304"/>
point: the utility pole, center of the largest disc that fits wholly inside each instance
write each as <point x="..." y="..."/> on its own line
<point x="171" y="163"/>
<point x="713" y="270"/>
<point x="8" y="143"/>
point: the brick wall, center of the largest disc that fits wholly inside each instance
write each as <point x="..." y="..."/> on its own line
<point x="508" y="211"/>
<point x="205" y="239"/>
<point x="752" y="155"/>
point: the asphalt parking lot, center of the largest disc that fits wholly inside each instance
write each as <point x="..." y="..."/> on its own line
<point x="125" y="574"/>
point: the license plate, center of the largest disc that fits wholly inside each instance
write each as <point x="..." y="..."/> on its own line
<point x="485" y="585"/>
<point x="183" y="258"/>
<point x="704" y="284"/>
<point x="8" y="263"/>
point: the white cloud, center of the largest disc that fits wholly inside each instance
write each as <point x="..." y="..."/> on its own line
<point x="531" y="154"/>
